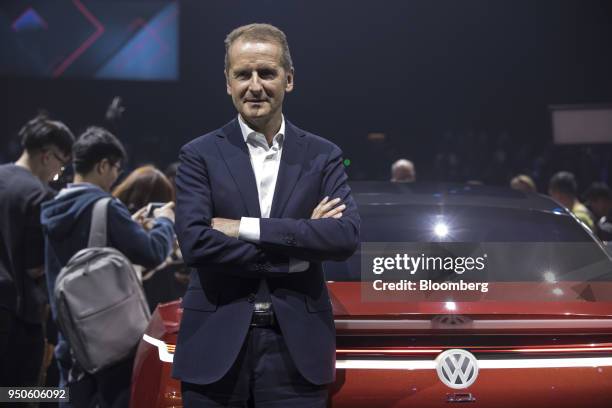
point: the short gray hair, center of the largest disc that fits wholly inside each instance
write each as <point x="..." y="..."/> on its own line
<point x="403" y="171"/>
<point x="260" y="32"/>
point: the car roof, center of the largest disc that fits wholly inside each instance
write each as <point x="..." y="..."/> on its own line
<point x="373" y="193"/>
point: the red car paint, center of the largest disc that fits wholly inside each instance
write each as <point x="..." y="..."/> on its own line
<point x="548" y="330"/>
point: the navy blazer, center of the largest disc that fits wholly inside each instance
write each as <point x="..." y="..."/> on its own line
<point x="215" y="179"/>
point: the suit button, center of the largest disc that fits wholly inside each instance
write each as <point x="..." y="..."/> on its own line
<point x="251" y="298"/>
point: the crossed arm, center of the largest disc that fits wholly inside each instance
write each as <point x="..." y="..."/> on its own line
<point x="206" y="240"/>
<point x="325" y="209"/>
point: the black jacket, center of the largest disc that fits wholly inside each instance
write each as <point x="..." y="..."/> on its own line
<point x="215" y="179"/>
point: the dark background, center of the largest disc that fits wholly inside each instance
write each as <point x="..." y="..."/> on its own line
<point x="461" y="87"/>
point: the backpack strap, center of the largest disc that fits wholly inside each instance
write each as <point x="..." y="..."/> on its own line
<point x="97" y="230"/>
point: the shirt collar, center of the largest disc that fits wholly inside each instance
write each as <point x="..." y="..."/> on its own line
<point x="247" y="132"/>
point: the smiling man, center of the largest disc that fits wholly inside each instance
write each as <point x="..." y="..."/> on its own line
<point x="260" y="203"/>
<point x="257" y="80"/>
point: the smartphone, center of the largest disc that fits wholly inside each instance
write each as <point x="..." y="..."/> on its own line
<point x="152" y="207"/>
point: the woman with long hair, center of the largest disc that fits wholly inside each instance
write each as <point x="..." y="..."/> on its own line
<point x="144" y="185"/>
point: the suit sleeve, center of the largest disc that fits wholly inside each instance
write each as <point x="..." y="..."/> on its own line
<point x="321" y="239"/>
<point x="200" y="244"/>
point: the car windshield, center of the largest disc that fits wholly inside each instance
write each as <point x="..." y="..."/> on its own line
<point x="523" y="245"/>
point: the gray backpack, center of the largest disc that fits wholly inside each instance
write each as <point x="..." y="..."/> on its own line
<point x="101" y="306"/>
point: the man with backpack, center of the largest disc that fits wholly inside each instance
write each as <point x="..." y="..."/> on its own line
<point x="66" y="220"/>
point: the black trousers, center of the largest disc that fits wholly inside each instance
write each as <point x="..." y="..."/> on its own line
<point x="263" y="375"/>
<point x="108" y="388"/>
<point x="22" y="348"/>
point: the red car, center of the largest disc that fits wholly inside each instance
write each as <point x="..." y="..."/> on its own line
<point x="539" y="336"/>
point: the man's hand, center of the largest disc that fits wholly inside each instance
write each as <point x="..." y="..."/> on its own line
<point x="229" y="227"/>
<point x="140" y="216"/>
<point x="327" y="209"/>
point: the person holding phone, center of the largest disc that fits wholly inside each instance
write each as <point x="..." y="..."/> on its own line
<point x="97" y="159"/>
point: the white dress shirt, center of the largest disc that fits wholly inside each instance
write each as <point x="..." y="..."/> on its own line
<point x="265" y="160"/>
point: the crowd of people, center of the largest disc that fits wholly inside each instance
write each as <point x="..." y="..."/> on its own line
<point x="41" y="232"/>
<point x="593" y="207"/>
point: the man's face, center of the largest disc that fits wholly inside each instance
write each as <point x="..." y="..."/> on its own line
<point x="256" y="80"/>
<point x="54" y="162"/>
<point x="108" y="173"/>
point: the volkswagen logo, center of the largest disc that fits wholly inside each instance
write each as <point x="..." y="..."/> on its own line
<point x="457" y="368"/>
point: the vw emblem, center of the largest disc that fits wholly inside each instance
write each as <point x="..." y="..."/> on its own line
<point x="457" y="368"/>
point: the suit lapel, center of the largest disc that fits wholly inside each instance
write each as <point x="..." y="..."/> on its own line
<point x="292" y="158"/>
<point x="236" y="155"/>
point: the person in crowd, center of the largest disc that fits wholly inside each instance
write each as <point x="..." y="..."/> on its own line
<point x="171" y="174"/>
<point x="97" y="160"/>
<point x="524" y="183"/>
<point x="257" y="323"/>
<point x="563" y="188"/>
<point x="599" y="200"/>
<point x="403" y="171"/>
<point x="47" y="146"/>
<point x="144" y="185"/>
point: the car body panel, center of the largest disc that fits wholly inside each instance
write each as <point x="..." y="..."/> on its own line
<point x="408" y="387"/>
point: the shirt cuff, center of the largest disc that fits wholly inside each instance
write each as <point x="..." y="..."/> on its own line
<point x="249" y="229"/>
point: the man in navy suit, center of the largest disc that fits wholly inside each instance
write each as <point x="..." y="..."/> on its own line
<point x="260" y="203"/>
